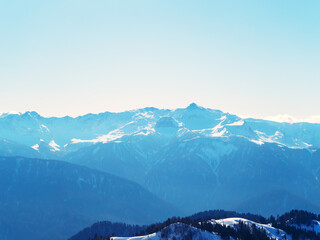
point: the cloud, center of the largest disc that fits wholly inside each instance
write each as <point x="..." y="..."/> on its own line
<point x="290" y="119"/>
<point x="313" y="119"/>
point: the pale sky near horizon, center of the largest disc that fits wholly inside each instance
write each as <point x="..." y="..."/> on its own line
<point x="252" y="58"/>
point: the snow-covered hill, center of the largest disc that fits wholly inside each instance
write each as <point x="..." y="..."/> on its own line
<point x="182" y="231"/>
<point x="176" y="231"/>
<point x="271" y="232"/>
<point x="230" y="228"/>
<point x="292" y="225"/>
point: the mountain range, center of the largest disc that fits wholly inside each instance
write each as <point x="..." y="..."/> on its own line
<point x="190" y="159"/>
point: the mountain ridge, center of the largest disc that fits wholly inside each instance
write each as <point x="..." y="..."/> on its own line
<point x="192" y="105"/>
<point x="48" y="199"/>
<point x="30" y="127"/>
<point x="217" y="155"/>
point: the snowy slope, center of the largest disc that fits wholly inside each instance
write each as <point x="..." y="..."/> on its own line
<point x="177" y="231"/>
<point x="180" y="231"/>
<point x="270" y="231"/>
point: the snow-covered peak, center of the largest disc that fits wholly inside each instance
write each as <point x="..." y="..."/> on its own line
<point x="5" y="114"/>
<point x="28" y="127"/>
<point x="194" y="106"/>
<point x="32" y="114"/>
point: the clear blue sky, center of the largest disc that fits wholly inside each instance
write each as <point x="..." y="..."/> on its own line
<point x="254" y="58"/>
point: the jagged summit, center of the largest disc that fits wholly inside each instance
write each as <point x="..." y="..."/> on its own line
<point x="31" y="114"/>
<point x="28" y="128"/>
<point x="194" y="106"/>
<point x="22" y="114"/>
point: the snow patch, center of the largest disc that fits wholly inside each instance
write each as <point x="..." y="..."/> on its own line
<point x="259" y="142"/>
<point x="141" y="115"/>
<point x="219" y="130"/>
<point x="307" y="145"/>
<point x="5" y="114"/>
<point x="217" y="133"/>
<point x="36" y="147"/>
<point x="44" y="127"/>
<point x="239" y="123"/>
<point x="55" y="147"/>
<point x="113" y="135"/>
<point x="223" y="118"/>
